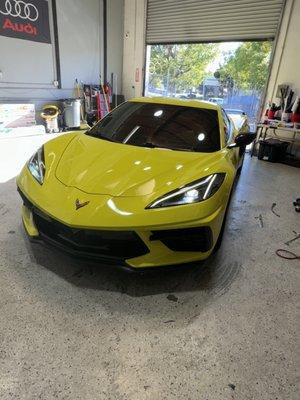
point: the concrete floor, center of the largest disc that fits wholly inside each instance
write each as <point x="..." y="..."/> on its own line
<point x="225" y="329"/>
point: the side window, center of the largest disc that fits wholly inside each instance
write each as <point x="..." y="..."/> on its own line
<point x="228" y="127"/>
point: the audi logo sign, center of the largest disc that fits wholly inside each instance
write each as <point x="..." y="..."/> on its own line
<point x="13" y="8"/>
<point x="27" y="20"/>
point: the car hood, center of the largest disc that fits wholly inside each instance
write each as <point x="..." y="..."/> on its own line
<point x="98" y="166"/>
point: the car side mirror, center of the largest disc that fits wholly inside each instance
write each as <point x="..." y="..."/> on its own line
<point x="243" y="139"/>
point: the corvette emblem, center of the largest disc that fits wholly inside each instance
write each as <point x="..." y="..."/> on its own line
<point x="78" y="204"/>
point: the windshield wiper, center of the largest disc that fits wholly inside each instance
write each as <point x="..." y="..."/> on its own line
<point x="129" y="136"/>
<point x="149" y="144"/>
<point x="106" y="138"/>
<point x="153" y="146"/>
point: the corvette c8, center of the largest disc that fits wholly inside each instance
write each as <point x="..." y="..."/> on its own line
<point x="148" y="185"/>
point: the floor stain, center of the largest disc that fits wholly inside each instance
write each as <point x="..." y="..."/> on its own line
<point x="261" y="221"/>
<point x="171" y="297"/>
<point x="3" y="209"/>
<point x="273" y="210"/>
<point x="292" y="240"/>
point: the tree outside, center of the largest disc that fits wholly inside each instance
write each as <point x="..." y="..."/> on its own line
<point x="240" y="73"/>
<point x="178" y="68"/>
<point x="247" y="67"/>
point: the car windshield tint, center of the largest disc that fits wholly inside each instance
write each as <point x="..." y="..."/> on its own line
<point x="161" y="125"/>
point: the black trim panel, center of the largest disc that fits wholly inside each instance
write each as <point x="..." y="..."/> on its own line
<point x="186" y="239"/>
<point x="108" y="245"/>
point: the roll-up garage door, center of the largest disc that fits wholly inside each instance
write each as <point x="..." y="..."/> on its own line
<point x="184" y="21"/>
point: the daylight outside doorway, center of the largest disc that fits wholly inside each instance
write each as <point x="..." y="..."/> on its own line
<point x="232" y="74"/>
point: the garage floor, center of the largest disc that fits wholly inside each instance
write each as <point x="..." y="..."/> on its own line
<point x="225" y="329"/>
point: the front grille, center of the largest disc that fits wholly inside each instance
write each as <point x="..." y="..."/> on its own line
<point x="187" y="239"/>
<point x="115" y="244"/>
<point x="91" y="243"/>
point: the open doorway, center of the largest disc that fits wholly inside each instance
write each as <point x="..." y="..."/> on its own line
<point x="232" y="74"/>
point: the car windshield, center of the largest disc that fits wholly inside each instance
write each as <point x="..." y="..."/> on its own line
<point x="161" y="125"/>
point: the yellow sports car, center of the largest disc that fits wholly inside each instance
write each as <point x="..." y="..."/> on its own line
<point x="147" y="186"/>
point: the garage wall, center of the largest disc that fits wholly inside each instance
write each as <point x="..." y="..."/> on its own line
<point x="80" y="34"/>
<point x="134" y="47"/>
<point x="79" y="41"/>
<point x="285" y="67"/>
<point x="286" y="62"/>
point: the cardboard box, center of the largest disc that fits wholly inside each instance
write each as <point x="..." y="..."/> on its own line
<point x="16" y="116"/>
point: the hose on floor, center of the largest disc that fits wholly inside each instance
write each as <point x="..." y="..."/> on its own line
<point x="287" y="255"/>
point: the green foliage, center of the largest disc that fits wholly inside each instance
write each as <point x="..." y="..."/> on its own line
<point x="247" y="66"/>
<point x="180" y="67"/>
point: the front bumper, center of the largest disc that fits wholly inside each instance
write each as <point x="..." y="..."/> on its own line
<point x="136" y="248"/>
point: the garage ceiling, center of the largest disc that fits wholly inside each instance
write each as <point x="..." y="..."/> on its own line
<point x="184" y="21"/>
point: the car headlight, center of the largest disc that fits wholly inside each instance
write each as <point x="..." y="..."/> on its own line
<point x="194" y="192"/>
<point x="36" y="165"/>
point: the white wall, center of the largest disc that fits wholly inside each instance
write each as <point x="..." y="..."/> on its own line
<point x="286" y="63"/>
<point x="80" y="33"/>
<point x="134" y="47"/>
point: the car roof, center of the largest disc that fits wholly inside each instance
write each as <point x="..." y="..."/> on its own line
<point x="177" y="102"/>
